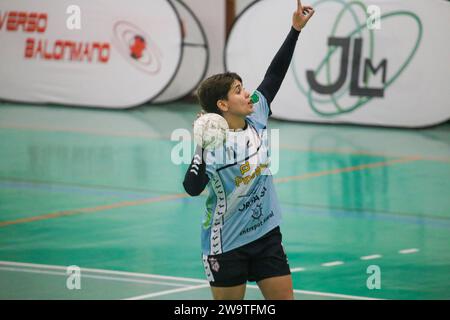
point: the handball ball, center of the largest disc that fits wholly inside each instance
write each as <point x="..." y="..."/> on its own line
<point x="210" y="130"/>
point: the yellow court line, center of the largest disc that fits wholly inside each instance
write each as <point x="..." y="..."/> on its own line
<point x="94" y="209"/>
<point x="361" y="152"/>
<point x="185" y="195"/>
<point x="348" y="169"/>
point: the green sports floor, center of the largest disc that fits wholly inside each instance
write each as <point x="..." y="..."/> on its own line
<point x="97" y="189"/>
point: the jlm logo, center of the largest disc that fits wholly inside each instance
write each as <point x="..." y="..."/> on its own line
<point x="355" y="88"/>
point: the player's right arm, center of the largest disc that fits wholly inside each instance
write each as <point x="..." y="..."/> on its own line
<point x="280" y="64"/>
<point x="196" y="178"/>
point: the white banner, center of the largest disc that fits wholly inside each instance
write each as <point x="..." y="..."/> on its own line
<point x="99" y="53"/>
<point x="194" y="63"/>
<point x="371" y="62"/>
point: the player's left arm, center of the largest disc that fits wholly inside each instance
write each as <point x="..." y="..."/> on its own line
<point x="196" y="179"/>
<point x="280" y="64"/>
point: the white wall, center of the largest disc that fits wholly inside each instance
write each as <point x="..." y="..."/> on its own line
<point x="211" y="14"/>
<point x="241" y="5"/>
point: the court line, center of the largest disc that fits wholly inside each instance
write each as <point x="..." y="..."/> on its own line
<point x="181" y="279"/>
<point x="92" y="277"/>
<point x="361" y="152"/>
<point x="331" y="295"/>
<point x="66" y="213"/>
<point x="166" y="292"/>
<point x="79" y="185"/>
<point x="401" y="214"/>
<point x="381" y="217"/>
<point x="332" y="264"/>
<point x="53" y="188"/>
<point x="346" y="169"/>
<point x="368" y="257"/>
<point x="185" y="195"/>
<point x="144" y="135"/>
<point x="372" y="257"/>
<point x="408" y="251"/>
<point x="140" y="193"/>
<point x="305" y="292"/>
<point x="101" y="271"/>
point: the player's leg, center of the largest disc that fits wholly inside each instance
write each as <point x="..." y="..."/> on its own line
<point x="229" y="293"/>
<point x="269" y="267"/>
<point x="277" y="288"/>
<point x="227" y="274"/>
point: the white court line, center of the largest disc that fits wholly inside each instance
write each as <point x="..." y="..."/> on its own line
<point x="162" y="293"/>
<point x="315" y="293"/>
<point x="332" y="264"/>
<point x="371" y="257"/>
<point x="123" y="273"/>
<point x="297" y="269"/>
<point x="93" y="277"/>
<point x="153" y="276"/>
<point x="408" y="251"/>
<point x="327" y="294"/>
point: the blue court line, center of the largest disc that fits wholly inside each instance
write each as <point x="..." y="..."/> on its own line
<point x="368" y="215"/>
<point x="48" y="187"/>
<point x="338" y="213"/>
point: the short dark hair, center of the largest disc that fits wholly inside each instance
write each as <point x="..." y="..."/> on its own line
<point x="215" y="88"/>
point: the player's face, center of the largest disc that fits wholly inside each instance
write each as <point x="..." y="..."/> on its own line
<point x="239" y="102"/>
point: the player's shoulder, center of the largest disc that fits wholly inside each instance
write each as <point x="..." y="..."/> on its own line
<point x="261" y="110"/>
<point x="258" y="97"/>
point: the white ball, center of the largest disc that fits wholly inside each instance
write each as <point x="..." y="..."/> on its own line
<point x="210" y="130"/>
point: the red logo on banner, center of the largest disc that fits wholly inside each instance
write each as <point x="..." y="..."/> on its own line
<point x="137" y="47"/>
<point x="62" y="50"/>
<point x="27" y="22"/>
<point x="66" y="50"/>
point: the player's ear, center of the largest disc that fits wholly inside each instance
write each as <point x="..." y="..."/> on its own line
<point x="222" y="105"/>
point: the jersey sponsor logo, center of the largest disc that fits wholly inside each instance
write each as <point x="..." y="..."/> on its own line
<point x="254" y="199"/>
<point x="247" y="179"/>
<point x="258" y="225"/>
<point x="257" y="212"/>
<point x="245" y="168"/>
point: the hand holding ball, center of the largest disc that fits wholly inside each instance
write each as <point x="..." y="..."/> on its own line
<point x="210" y="131"/>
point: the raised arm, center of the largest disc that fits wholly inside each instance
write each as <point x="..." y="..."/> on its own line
<point x="280" y="64"/>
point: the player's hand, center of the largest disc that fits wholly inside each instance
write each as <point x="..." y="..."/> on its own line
<point x="301" y="16"/>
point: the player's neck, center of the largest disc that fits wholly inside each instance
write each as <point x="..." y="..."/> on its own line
<point x="236" y="123"/>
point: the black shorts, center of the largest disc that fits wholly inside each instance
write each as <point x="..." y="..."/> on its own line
<point x="255" y="261"/>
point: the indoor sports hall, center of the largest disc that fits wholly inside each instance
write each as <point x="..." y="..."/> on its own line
<point x="96" y="121"/>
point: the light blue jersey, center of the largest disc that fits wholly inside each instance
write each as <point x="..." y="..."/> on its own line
<point x="242" y="204"/>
